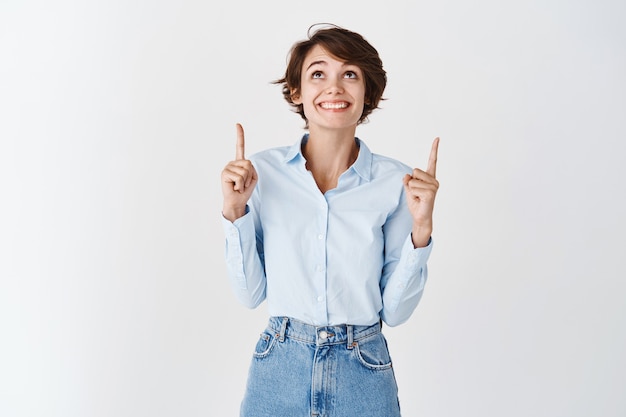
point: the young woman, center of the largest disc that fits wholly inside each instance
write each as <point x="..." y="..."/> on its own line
<point x="334" y="237"/>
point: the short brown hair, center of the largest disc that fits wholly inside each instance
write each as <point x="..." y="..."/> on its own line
<point x="347" y="46"/>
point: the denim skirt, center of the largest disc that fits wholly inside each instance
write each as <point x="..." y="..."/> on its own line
<point x="300" y="370"/>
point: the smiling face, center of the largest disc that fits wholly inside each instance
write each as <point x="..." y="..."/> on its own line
<point x="331" y="92"/>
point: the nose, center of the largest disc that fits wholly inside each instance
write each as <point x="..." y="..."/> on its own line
<point x="334" y="86"/>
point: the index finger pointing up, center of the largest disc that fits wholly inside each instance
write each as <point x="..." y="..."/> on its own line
<point x="240" y="143"/>
<point x="432" y="160"/>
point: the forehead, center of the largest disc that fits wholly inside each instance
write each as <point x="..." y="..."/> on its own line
<point x="319" y="54"/>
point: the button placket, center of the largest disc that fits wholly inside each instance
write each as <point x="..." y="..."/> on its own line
<point x="319" y="257"/>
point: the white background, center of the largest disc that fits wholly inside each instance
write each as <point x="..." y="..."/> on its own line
<point x="116" y="118"/>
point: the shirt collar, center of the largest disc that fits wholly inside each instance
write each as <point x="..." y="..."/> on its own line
<point x="362" y="166"/>
<point x="363" y="163"/>
<point x="295" y="152"/>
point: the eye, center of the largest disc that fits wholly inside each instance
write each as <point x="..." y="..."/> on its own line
<point x="317" y="74"/>
<point x="350" y="74"/>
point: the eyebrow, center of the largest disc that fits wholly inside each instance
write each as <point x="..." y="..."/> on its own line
<point x="315" y="63"/>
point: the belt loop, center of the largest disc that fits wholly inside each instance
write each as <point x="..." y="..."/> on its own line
<point x="283" y="328"/>
<point x="350" y="331"/>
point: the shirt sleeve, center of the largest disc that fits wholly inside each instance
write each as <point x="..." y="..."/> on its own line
<point x="405" y="270"/>
<point x="244" y="259"/>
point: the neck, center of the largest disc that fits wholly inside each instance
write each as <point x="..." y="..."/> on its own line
<point x="329" y="155"/>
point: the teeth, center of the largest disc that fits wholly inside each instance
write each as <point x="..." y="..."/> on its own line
<point x="341" y="105"/>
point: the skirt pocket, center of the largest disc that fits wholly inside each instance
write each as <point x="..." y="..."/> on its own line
<point x="372" y="353"/>
<point x="264" y="346"/>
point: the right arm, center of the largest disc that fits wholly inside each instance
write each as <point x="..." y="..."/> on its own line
<point x="244" y="261"/>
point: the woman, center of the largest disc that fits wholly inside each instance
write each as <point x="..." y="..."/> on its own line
<point x="334" y="237"/>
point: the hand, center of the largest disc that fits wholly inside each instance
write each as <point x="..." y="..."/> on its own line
<point x="238" y="180"/>
<point x="421" y="189"/>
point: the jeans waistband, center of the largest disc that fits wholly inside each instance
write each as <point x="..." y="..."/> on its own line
<point x="286" y="327"/>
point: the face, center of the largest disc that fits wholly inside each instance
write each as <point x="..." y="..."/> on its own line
<point x="331" y="92"/>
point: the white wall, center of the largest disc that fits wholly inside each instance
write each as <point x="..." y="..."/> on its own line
<point x="116" y="118"/>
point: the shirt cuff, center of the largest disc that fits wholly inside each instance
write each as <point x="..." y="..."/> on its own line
<point x="416" y="257"/>
<point x="239" y="234"/>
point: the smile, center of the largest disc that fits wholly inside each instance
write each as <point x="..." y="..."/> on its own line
<point x="333" y="106"/>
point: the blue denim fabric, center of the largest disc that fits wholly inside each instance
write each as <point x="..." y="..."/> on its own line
<point x="300" y="370"/>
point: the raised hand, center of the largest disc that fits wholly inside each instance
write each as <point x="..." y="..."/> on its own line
<point x="421" y="188"/>
<point x="238" y="180"/>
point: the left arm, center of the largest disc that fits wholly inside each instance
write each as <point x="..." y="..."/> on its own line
<point x="405" y="270"/>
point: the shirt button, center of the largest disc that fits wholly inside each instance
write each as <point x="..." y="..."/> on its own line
<point x="323" y="335"/>
<point x="320" y="268"/>
<point x="320" y="237"/>
<point x="320" y="298"/>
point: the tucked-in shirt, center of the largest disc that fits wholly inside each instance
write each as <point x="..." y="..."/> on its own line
<point x="340" y="257"/>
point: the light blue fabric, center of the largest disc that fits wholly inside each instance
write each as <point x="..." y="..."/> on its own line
<point x="303" y="370"/>
<point x="343" y="257"/>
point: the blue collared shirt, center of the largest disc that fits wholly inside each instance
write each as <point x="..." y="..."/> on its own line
<point x="342" y="257"/>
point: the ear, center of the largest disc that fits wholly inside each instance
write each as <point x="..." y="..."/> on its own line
<point x="295" y="97"/>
